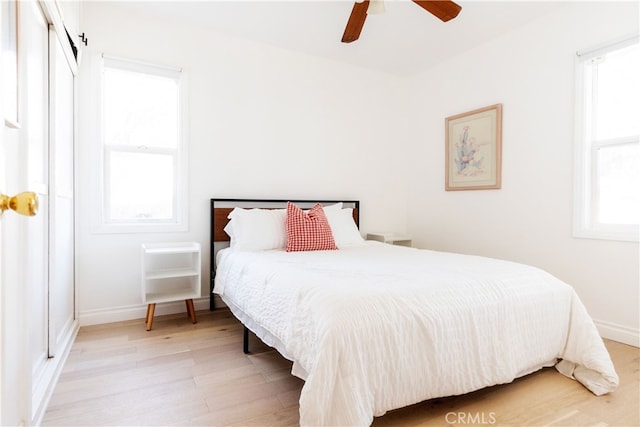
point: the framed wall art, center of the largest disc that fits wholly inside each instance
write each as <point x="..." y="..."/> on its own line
<point x="9" y="53"/>
<point x="473" y="149"/>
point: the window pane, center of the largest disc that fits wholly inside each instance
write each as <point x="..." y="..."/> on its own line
<point x="141" y="186"/>
<point x="140" y="109"/>
<point x="617" y="94"/>
<point x="618" y="184"/>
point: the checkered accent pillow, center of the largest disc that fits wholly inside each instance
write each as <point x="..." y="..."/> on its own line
<point x="308" y="231"/>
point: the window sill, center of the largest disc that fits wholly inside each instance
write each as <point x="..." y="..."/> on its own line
<point x="626" y="234"/>
<point x="139" y="228"/>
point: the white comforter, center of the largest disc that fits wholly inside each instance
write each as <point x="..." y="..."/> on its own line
<point x="377" y="327"/>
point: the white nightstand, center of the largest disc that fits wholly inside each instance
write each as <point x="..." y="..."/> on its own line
<point x="170" y="272"/>
<point x="391" y="238"/>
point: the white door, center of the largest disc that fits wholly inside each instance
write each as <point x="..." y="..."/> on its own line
<point x="37" y="304"/>
<point x="13" y="365"/>
<point x="25" y="239"/>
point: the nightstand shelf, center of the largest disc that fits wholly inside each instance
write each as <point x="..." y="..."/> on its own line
<point x="391" y="238"/>
<point x="170" y="272"/>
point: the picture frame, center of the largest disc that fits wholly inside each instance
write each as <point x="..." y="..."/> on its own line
<point x="9" y="53"/>
<point x="473" y="149"/>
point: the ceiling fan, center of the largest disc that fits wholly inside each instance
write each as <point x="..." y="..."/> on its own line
<point x="444" y="10"/>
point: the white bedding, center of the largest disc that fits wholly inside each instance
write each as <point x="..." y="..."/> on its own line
<point x="376" y="327"/>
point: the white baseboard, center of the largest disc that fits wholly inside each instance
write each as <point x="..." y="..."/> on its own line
<point x="133" y="312"/>
<point x="620" y="333"/>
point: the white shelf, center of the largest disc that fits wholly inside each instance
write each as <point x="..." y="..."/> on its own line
<point x="170" y="272"/>
<point x="391" y="238"/>
<point x="160" y="297"/>
<point x="171" y="248"/>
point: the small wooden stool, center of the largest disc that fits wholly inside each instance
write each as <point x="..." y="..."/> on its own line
<point x="151" y="308"/>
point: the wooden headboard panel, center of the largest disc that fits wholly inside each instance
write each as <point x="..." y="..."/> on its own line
<point x="220" y="209"/>
<point x="219" y="220"/>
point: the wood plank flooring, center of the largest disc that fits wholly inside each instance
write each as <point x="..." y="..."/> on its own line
<point x="185" y="374"/>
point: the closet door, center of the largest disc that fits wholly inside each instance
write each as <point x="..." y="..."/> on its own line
<point x="61" y="224"/>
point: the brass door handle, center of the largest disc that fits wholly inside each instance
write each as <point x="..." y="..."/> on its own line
<point x="25" y="203"/>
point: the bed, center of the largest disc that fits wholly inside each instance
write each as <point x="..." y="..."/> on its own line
<point x="372" y="327"/>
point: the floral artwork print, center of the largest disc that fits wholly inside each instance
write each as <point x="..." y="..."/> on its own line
<point x="473" y="149"/>
<point x="469" y="160"/>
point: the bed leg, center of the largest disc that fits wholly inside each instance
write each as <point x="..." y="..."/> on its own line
<point x="245" y="341"/>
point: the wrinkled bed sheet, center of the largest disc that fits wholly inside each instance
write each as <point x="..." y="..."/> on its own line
<point x="376" y="327"/>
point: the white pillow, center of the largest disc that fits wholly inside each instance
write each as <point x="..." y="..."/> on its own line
<point x="257" y="229"/>
<point x="335" y="207"/>
<point x="229" y="230"/>
<point x="344" y="229"/>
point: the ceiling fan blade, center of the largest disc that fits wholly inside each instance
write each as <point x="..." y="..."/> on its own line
<point x="356" y="22"/>
<point x="444" y="10"/>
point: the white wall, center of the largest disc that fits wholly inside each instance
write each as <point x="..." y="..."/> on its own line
<point x="263" y="122"/>
<point x="531" y="72"/>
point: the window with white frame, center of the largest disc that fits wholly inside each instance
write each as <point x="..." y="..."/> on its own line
<point x="144" y="148"/>
<point x="607" y="201"/>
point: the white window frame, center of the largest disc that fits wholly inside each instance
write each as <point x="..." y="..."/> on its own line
<point x="586" y="197"/>
<point x="179" y="222"/>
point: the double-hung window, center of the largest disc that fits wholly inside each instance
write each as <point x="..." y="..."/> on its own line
<point x="143" y="147"/>
<point x="607" y="193"/>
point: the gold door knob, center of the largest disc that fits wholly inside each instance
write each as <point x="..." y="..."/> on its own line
<point x="25" y="203"/>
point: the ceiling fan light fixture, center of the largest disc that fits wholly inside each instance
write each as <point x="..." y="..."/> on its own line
<point x="376" y="7"/>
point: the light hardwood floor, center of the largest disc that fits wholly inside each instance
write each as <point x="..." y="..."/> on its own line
<point x="185" y="374"/>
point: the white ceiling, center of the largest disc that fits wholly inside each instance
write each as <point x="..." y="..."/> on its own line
<point x="404" y="40"/>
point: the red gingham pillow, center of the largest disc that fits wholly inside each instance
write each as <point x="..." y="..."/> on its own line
<point x="308" y="231"/>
